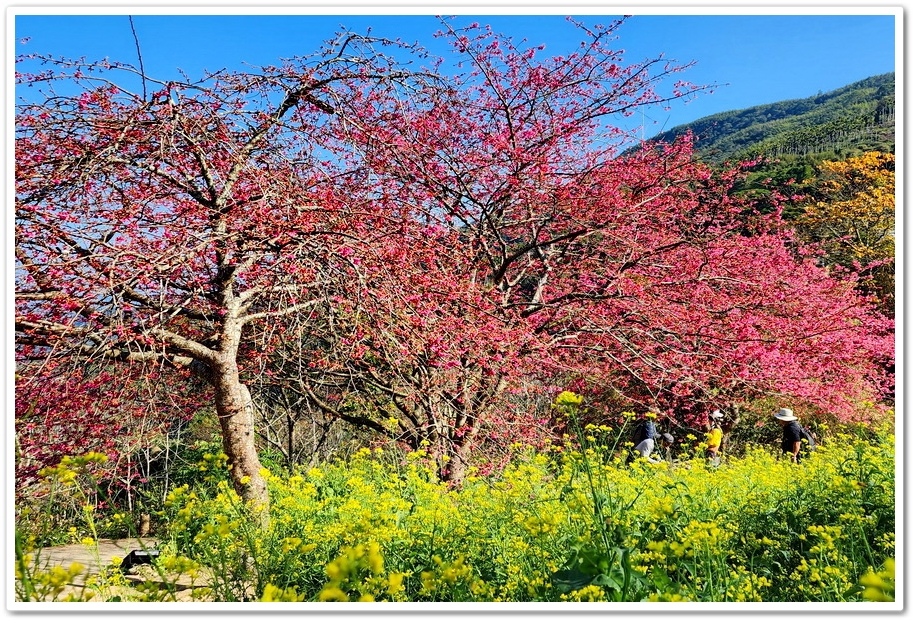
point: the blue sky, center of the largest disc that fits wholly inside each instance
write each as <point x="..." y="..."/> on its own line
<point x="756" y="58"/>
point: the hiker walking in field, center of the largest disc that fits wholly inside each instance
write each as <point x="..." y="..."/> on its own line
<point x="793" y="435"/>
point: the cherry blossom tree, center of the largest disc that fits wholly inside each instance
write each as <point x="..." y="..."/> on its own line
<point x="643" y="276"/>
<point x="413" y="250"/>
<point x="180" y="228"/>
<point x="177" y="228"/>
<point x="71" y="407"/>
<point x="667" y="297"/>
<point x="442" y="343"/>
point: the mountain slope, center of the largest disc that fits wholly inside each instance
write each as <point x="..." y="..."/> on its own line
<point x="858" y="117"/>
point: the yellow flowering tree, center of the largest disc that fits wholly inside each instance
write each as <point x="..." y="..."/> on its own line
<point x="852" y="214"/>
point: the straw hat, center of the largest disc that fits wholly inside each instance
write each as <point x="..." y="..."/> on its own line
<point x="785" y="415"/>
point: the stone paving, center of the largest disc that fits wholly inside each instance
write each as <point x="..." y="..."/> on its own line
<point x="101" y="556"/>
<point x="92" y="557"/>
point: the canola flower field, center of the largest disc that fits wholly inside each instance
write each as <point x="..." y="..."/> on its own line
<point x="561" y="525"/>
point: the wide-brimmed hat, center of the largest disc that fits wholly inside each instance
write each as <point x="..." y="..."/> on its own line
<point x="716" y="415"/>
<point x="785" y="415"/>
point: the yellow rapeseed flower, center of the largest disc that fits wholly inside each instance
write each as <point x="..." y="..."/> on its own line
<point x="395" y="584"/>
<point x="880" y="585"/>
<point x="332" y="593"/>
<point x="275" y="593"/>
<point x="375" y="560"/>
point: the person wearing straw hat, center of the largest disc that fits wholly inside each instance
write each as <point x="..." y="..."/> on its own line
<point x="791" y="433"/>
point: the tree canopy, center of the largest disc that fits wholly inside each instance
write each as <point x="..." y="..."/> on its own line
<point x="422" y="254"/>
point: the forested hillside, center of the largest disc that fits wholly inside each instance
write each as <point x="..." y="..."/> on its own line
<point x="849" y="121"/>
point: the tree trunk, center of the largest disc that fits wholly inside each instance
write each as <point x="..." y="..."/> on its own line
<point x="455" y="470"/>
<point x="236" y="419"/>
<point x="451" y="458"/>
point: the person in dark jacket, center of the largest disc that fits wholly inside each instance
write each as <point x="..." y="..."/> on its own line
<point x="791" y="433"/>
<point x="645" y="434"/>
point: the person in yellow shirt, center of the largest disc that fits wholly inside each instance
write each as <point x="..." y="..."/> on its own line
<point x="714" y="435"/>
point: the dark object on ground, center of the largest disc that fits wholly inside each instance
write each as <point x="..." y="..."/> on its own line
<point x="138" y="557"/>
